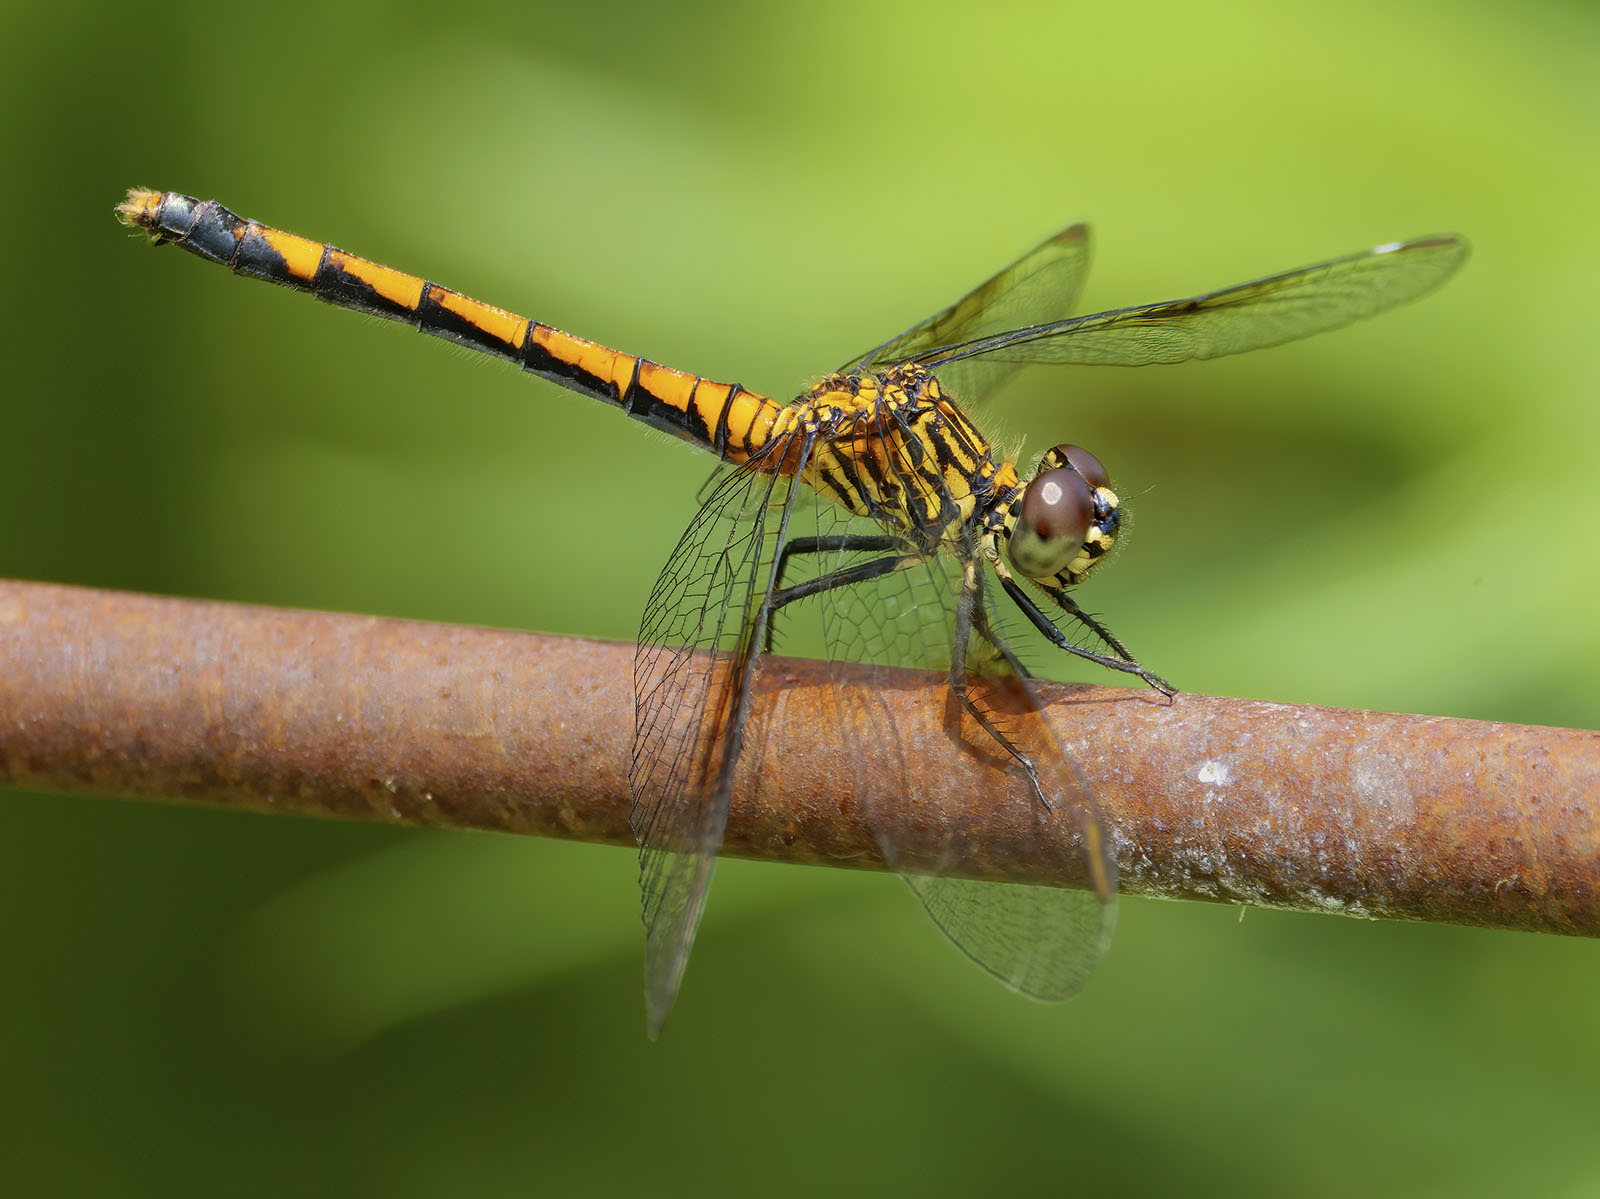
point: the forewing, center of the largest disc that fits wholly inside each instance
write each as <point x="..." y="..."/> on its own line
<point x="692" y="673"/>
<point x="1251" y="316"/>
<point x="1039" y="940"/>
<point x="1041" y="286"/>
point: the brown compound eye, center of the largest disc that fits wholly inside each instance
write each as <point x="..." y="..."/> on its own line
<point x="1053" y="520"/>
<point x="1085" y="463"/>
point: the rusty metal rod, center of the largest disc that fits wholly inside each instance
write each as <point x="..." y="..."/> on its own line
<point x="1363" y="813"/>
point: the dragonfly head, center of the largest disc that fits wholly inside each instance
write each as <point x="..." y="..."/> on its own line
<point x="1064" y="521"/>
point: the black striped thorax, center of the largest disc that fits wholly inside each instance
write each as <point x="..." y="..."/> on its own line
<point x="894" y="447"/>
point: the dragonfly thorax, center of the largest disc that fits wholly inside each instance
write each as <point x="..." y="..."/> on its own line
<point x="894" y="447"/>
<point x="1061" y="525"/>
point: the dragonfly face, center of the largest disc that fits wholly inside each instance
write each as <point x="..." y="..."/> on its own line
<point x="1063" y="523"/>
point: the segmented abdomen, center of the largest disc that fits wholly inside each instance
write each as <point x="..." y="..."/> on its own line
<point x="722" y="417"/>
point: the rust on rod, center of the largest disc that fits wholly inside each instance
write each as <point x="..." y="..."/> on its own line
<point x="1364" y="813"/>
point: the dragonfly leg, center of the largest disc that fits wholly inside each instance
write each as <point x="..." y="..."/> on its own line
<point x="1070" y="606"/>
<point x="856" y="573"/>
<point x="835" y="544"/>
<point x="981" y="625"/>
<point x="847" y="576"/>
<point x="1126" y="662"/>
<point x="971" y="617"/>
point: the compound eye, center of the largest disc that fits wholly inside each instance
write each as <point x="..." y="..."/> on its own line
<point x="1053" y="522"/>
<point x="1085" y="463"/>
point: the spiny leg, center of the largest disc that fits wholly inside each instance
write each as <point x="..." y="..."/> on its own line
<point x="1126" y="664"/>
<point x="970" y="617"/>
<point x="846" y="576"/>
<point x="1070" y="607"/>
<point x="837" y="543"/>
<point x="875" y="543"/>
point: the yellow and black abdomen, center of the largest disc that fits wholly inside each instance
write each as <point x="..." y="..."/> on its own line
<point x="722" y="417"/>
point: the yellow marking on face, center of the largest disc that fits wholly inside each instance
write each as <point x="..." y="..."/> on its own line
<point x="505" y="327"/>
<point x="394" y="286"/>
<point x="1096" y="545"/>
<point x="300" y="256"/>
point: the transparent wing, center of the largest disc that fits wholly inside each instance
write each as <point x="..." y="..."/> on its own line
<point x="1041" y="941"/>
<point x="692" y="673"/>
<point x="1251" y="316"/>
<point x="1042" y="285"/>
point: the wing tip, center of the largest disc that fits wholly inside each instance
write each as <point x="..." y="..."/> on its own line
<point x="1432" y="241"/>
<point x="1073" y="234"/>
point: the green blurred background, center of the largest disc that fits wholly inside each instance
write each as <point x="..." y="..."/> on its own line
<point x="1400" y="515"/>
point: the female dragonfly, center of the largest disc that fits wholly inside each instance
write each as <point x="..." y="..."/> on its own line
<point x="907" y="529"/>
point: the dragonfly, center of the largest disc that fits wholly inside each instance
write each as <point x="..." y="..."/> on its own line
<point x="875" y="495"/>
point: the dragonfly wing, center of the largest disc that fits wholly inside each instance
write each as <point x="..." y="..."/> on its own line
<point x="698" y="647"/>
<point x="1041" y="286"/>
<point x="1040" y="940"/>
<point x="1251" y="316"/>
